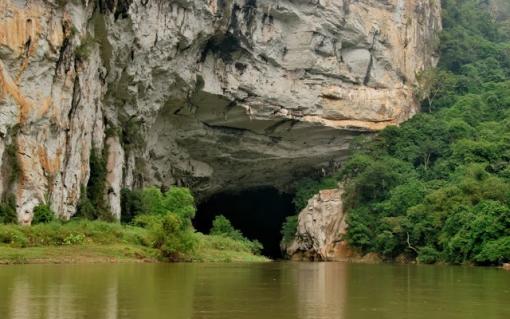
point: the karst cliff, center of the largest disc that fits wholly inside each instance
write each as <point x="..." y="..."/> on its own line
<point x="211" y="94"/>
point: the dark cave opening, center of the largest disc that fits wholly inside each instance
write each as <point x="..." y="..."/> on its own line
<point x="258" y="213"/>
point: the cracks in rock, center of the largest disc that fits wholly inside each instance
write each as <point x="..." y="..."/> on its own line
<point x="65" y="51"/>
<point x="371" y="62"/>
<point x="347" y="7"/>
<point x="76" y="99"/>
<point x="75" y="102"/>
<point x="271" y="129"/>
<point x="223" y="46"/>
<point x="119" y="8"/>
<point x="228" y="129"/>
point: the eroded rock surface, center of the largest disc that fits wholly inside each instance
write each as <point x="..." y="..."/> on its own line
<point x="211" y="94"/>
<point x="321" y="230"/>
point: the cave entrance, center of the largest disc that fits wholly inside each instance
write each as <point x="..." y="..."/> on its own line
<point x="258" y="213"/>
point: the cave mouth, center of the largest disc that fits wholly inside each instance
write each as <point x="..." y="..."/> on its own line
<point x="258" y="213"/>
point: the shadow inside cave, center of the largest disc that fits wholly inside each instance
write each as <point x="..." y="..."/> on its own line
<point x="258" y="213"/>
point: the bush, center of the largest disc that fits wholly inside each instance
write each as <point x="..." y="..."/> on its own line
<point x="132" y="204"/>
<point x="11" y="153"/>
<point x="495" y="252"/>
<point x="85" y="209"/>
<point x="43" y="214"/>
<point x="178" y="200"/>
<point x="8" y="211"/>
<point x="93" y="204"/>
<point x="307" y="188"/>
<point x="222" y="226"/>
<point x="387" y="244"/>
<point x="428" y="255"/>
<point x="172" y="237"/>
<point x="289" y="229"/>
<point x="12" y="235"/>
<point x="96" y="187"/>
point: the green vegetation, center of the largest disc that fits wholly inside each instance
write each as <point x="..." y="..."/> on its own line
<point x="8" y="210"/>
<point x="12" y="162"/>
<point x="43" y="214"/>
<point x="83" y="51"/>
<point x="306" y="188"/>
<point x="132" y="204"/>
<point x="289" y="228"/>
<point x="74" y="241"/>
<point x="438" y="187"/>
<point x="223" y="228"/>
<point x="93" y="204"/>
<point x="159" y="229"/>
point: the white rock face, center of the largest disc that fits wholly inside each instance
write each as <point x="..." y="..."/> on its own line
<point x="211" y="94"/>
<point x="321" y="227"/>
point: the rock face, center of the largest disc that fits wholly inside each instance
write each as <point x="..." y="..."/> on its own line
<point x="321" y="227"/>
<point x="211" y="94"/>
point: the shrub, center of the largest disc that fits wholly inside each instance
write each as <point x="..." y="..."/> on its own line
<point x="386" y="243"/>
<point x="222" y="226"/>
<point x="289" y="229"/>
<point x="93" y="204"/>
<point x="12" y="160"/>
<point x="307" y="188"/>
<point x="12" y="235"/>
<point x="178" y="200"/>
<point x="8" y="211"/>
<point x="131" y="204"/>
<point x="428" y="255"/>
<point x="43" y="214"/>
<point x="173" y="238"/>
<point x="495" y="251"/>
<point x="85" y="209"/>
<point x="74" y="239"/>
<point x="96" y="187"/>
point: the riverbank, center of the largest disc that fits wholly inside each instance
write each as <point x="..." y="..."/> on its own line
<point x="100" y="242"/>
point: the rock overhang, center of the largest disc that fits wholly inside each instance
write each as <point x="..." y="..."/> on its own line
<point x="224" y="94"/>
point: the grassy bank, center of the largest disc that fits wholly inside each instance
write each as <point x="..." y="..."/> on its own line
<point x="83" y="241"/>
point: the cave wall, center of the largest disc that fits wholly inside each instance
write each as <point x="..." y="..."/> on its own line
<point x="211" y="94"/>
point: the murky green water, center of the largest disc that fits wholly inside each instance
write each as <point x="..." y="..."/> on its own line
<point x="238" y="291"/>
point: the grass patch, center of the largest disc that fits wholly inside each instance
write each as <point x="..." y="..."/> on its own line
<point x="218" y="248"/>
<point x="84" y="241"/>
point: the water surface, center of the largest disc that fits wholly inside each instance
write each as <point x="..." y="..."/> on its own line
<point x="238" y="291"/>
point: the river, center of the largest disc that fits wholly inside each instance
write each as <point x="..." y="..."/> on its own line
<point x="276" y="290"/>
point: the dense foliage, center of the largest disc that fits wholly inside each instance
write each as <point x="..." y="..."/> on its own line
<point x="43" y="214"/>
<point x="222" y="227"/>
<point x="93" y="204"/>
<point x="8" y="210"/>
<point x="167" y="216"/>
<point x="438" y="187"/>
<point x="158" y="225"/>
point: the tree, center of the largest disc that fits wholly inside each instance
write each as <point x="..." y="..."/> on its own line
<point x="432" y="83"/>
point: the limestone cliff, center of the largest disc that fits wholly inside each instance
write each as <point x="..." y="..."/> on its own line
<point x="320" y="231"/>
<point x="212" y="94"/>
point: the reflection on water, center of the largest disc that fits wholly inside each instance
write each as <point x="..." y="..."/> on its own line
<point x="241" y="291"/>
<point x="321" y="290"/>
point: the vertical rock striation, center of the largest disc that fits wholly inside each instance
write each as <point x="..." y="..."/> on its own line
<point x="212" y="94"/>
<point x="321" y="227"/>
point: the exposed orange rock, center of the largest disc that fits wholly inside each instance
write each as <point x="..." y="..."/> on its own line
<point x="19" y="27"/>
<point x="9" y="87"/>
